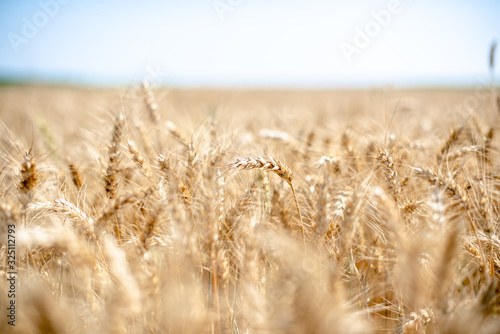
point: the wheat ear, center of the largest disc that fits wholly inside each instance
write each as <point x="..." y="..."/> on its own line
<point x="139" y="159"/>
<point x="111" y="176"/>
<point x="29" y="173"/>
<point x="76" y="176"/>
<point x="149" y="100"/>
<point x="67" y="209"/>
<point x="275" y="166"/>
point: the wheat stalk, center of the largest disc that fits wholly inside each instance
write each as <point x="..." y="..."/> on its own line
<point x="273" y="165"/>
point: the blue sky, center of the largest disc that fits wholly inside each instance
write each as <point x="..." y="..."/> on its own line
<point x="249" y="43"/>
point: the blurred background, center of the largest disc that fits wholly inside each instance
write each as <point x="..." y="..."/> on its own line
<point x="249" y="43"/>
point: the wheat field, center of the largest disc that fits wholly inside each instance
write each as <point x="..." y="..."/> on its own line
<point x="149" y="210"/>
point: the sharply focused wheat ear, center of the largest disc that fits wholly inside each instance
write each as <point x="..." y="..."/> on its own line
<point x="265" y="163"/>
<point x="275" y="166"/>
